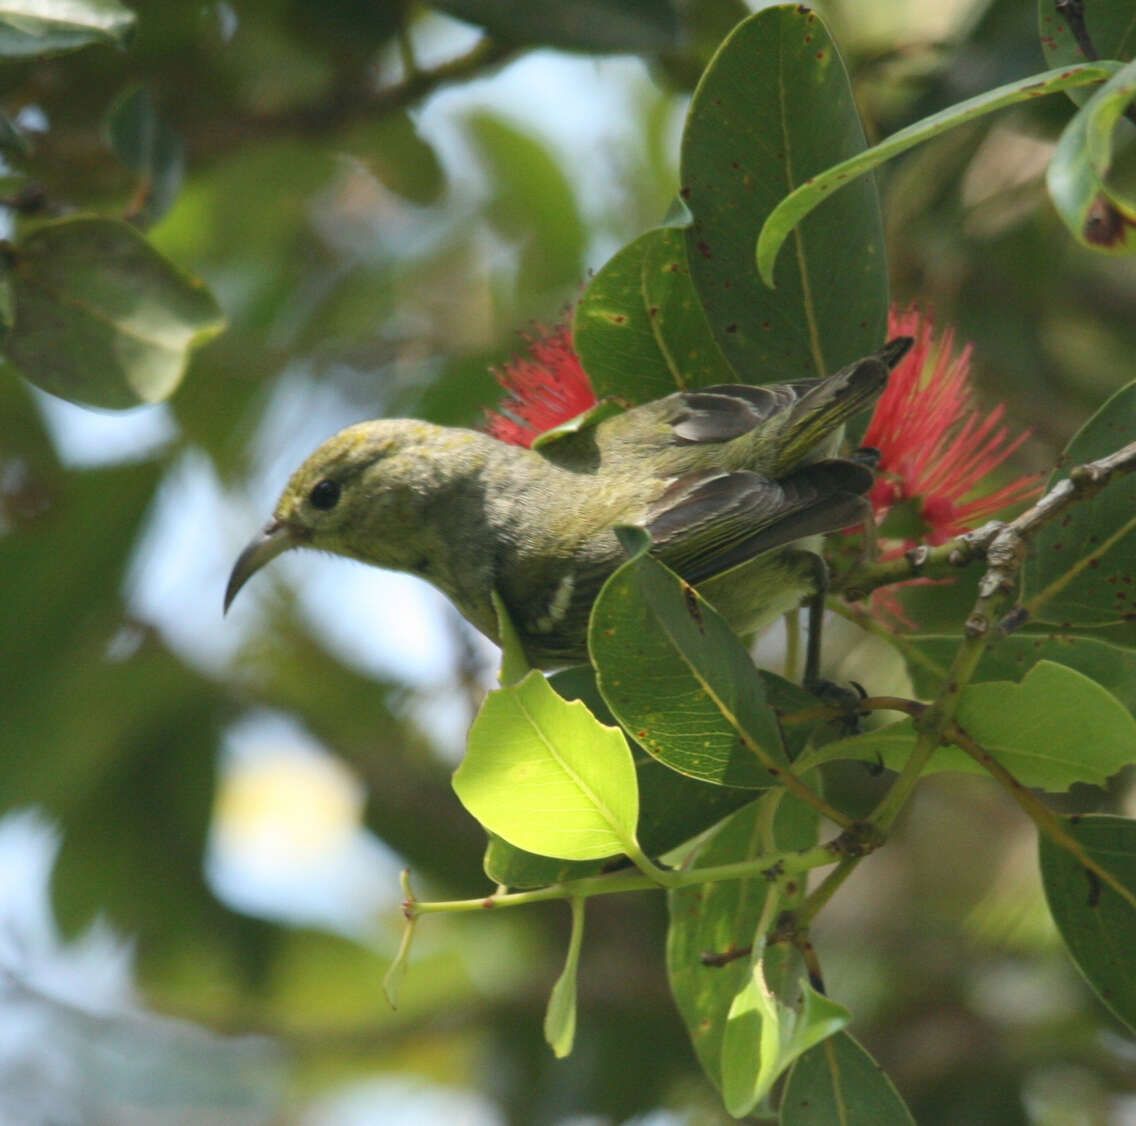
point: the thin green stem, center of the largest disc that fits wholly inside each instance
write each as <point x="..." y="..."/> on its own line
<point x="823" y="892"/>
<point x="768" y="866"/>
<point x="886" y="812"/>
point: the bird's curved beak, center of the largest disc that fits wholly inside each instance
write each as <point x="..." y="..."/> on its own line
<point x="272" y="540"/>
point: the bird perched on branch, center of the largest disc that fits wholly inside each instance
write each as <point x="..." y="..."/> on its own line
<point x="727" y="480"/>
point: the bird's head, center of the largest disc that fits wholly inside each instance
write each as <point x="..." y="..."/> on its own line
<point x="361" y="494"/>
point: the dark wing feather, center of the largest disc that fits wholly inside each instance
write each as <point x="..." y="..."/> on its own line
<point x="725" y="412"/>
<point x="711" y="522"/>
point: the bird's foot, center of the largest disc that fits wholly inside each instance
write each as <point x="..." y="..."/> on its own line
<point x="844" y="700"/>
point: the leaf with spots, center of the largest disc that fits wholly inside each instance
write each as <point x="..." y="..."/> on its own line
<point x="1097" y="214"/>
<point x="1097" y="924"/>
<point x="773" y="108"/>
<point x="640" y="330"/>
<point x="1110" y="28"/>
<point x="678" y="678"/>
<point x="1082" y="571"/>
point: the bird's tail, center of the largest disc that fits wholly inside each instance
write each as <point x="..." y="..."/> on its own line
<point x="827" y="403"/>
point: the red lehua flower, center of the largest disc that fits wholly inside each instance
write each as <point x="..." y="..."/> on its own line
<point x="543" y="389"/>
<point x="935" y="448"/>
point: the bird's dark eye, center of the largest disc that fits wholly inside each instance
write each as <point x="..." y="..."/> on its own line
<point x="325" y="494"/>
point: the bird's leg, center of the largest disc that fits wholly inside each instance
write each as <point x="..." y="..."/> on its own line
<point x="816" y="620"/>
<point x="847" y="700"/>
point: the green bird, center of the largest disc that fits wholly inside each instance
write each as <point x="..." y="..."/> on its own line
<point x="727" y="480"/>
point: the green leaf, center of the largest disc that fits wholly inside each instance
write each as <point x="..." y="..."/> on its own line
<point x="1054" y="729"/>
<point x="560" y="1016"/>
<point x="1081" y="572"/>
<point x="147" y="145"/>
<point x="513" y="867"/>
<point x="672" y="810"/>
<point x="751" y="1044"/>
<point x="672" y="807"/>
<point x="547" y="776"/>
<point x="102" y="318"/>
<point x="764" y="1036"/>
<point x="678" y="678"/>
<point x="720" y="919"/>
<point x="39" y="27"/>
<point x="514" y="664"/>
<point x="1098" y="216"/>
<point x="1097" y="924"/>
<point x="1010" y="658"/>
<point x="640" y="330"/>
<point x="803" y="199"/>
<point x="584" y="25"/>
<point x="774" y="108"/>
<point x="838" y="1081"/>
<point x="585" y="420"/>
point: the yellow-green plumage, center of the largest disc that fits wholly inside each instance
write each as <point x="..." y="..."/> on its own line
<point x="727" y="480"/>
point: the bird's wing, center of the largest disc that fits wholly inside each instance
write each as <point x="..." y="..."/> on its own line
<point x="711" y="522"/>
<point x="724" y="412"/>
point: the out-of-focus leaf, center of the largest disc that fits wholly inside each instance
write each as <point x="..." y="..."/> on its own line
<point x="838" y="1081"/>
<point x="792" y="210"/>
<point x="413" y="807"/>
<point x="99" y="716"/>
<point x="7" y="305"/>
<point x="11" y="139"/>
<point x="1097" y="924"/>
<point x="102" y="318"/>
<point x="1057" y="585"/>
<point x="547" y="776"/>
<point x="1098" y="216"/>
<point x="640" y="330"/>
<point x="720" y="918"/>
<point x="534" y="204"/>
<point x="147" y="145"/>
<point x="773" y="108"/>
<point x="41" y="27"/>
<point x="1054" y="729"/>
<point x="400" y="157"/>
<point x="678" y="678"/>
<point x="64" y="562"/>
<point x="705" y="23"/>
<point x="585" y="25"/>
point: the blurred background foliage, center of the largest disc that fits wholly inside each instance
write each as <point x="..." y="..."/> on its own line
<point x="383" y="197"/>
